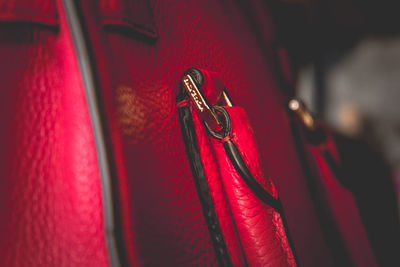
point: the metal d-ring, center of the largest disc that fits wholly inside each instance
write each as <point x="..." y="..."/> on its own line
<point x="226" y="124"/>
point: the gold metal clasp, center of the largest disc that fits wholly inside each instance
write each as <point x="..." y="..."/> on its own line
<point x="205" y="110"/>
<point x="225" y="99"/>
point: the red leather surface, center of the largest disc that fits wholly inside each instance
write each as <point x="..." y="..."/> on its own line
<point x="164" y="214"/>
<point x="50" y="194"/>
<point x="218" y="194"/>
<point x="37" y="11"/>
<point x="215" y="36"/>
<point x="259" y="228"/>
<point x="340" y="202"/>
<point x="135" y="15"/>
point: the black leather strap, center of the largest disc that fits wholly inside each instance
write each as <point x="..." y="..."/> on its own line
<point x="192" y="150"/>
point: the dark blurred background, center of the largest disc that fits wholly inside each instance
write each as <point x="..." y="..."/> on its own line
<point x="346" y="54"/>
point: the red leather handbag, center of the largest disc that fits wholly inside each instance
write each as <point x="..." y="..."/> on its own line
<point x="102" y="167"/>
<point x="241" y="206"/>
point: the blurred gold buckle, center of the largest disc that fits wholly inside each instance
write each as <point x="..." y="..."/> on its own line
<point x="301" y="110"/>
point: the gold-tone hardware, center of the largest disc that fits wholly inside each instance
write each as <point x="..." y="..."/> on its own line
<point x="226" y="99"/>
<point x="301" y="110"/>
<point x="205" y="112"/>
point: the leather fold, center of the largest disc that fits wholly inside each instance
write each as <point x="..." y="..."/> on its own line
<point x="259" y="226"/>
<point x="129" y="17"/>
<point x="42" y="12"/>
<point x="253" y="231"/>
<point x="340" y="202"/>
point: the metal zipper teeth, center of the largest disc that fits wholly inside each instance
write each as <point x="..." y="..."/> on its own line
<point x="78" y="38"/>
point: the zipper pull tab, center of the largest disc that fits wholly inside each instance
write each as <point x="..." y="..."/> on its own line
<point x="193" y="81"/>
<point x="204" y="109"/>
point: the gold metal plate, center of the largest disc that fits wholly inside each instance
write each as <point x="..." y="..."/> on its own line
<point x="205" y="112"/>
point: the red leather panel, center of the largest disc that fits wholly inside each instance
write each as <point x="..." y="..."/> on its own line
<point x="50" y="194"/>
<point x="38" y="11"/>
<point x="165" y="213"/>
<point x="135" y="15"/>
<point x="340" y="202"/>
<point x="260" y="228"/>
<point x="218" y="194"/>
<point x="256" y="226"/>
<point x="162" y="215"/>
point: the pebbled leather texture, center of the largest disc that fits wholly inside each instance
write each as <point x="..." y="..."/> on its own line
<point x="50" y="193"/>
<point x="140" y="99"/>
<point x="256" y="226"/>
<point x="36" y="11"/>
<point x="260" y="228"/>
<point x="219" y="224"/>
<point x="218" y="194"/>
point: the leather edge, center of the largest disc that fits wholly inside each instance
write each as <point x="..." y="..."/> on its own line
<point x="192" y="151"/>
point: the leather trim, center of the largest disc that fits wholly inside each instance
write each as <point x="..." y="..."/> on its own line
<point x="42" y="12"/>
<point x="76" y="23"/>
<point x="131" y="18"/>
<point x="192" y="150"/>
<point x="237" y="161"/>
<point x="240" y="166"/>
<point x="326" y="221"/>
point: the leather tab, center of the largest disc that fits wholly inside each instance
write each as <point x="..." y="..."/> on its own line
<point x="37" y="11"/>
<point x="135" y="16"/>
